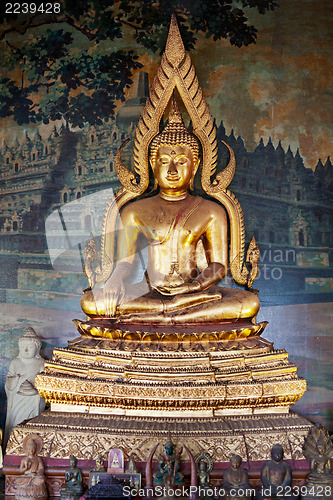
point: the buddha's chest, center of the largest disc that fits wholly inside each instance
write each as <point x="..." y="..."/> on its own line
<point x="33" y="464"/>
<point x="237" y="476"/>
<point x="276" y="474"/>
<point x="176" y="227"/>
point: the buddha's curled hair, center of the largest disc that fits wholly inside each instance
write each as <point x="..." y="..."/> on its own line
<point x="175" y="134"/>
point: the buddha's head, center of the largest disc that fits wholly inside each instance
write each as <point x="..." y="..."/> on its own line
<point x="277" y="453"/>
<point x="202" y="466"/>
<point x="174" y="155"/>
<point x="31" y="447"/>
<point x="72" y="461"/>
<point x="321" y="448"/>
<point x="29" y="344"/>
<point x="235" y="461"/>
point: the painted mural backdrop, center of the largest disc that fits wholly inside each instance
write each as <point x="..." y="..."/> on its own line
<point x="271" y="104"/>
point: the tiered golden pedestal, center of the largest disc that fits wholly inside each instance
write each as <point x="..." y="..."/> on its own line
<point x="224" y="391"/>
<point x="171" y="372"/>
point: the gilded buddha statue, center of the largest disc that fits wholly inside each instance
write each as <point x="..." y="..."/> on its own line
<point x="187" y="235"/>
<point x="176" y="226"/>
<point x="175" y="341"/>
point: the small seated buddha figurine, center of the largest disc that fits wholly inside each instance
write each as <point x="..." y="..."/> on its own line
<point x="32" y="484"/>
<point x="204" y="465"/>
<point x="276" y="477"/>
<point x="73" y="487"/>
<point x="187" y="239"/>
<point x="203" y="474"/>
<point x="236" y="481"/>
<point x="99" y="466"/>
<point x="318" y="450"/>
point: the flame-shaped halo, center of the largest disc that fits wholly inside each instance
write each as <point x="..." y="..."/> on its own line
<point x="175" y="71"/>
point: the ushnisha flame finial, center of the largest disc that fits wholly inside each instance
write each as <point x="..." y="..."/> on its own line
<point x="174" y="113"/>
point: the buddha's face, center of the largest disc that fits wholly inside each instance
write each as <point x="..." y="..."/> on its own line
<point x="202" y="466"/>
<point x="277" y="453"/>
<point x="27" y="349"/>
<point x="321" y="449"/>
<point x="173" y="168"/>
<point x="235" y="461"/>
<point x="72" y="462"/>
<point x="31" y="447"/>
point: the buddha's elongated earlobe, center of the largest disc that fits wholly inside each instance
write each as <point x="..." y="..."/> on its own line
<point x="196" y="166"/>
<point x="152" y="165"/>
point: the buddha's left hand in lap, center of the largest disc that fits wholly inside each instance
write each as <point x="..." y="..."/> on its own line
<point x="210" y="276"/>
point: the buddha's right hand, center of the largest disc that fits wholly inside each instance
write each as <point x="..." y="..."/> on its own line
<point x="113" y="293"/>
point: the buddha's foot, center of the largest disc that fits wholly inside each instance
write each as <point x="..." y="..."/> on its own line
<point x="163" y="319"/>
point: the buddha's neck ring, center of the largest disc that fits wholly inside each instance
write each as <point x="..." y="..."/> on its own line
<point x="173" y="197"/>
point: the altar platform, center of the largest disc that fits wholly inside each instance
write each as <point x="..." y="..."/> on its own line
<point x="87" y="435"/>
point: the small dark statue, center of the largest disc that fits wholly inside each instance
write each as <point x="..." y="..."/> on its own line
<point x="73" y="486"/>
<point x="318" y="450"/>
<point x="203" y="474"/>
<point x="236" y="481"/>
<point x="99" y="467"/>
<point x="276" y="477"/>
<point x="169" y="466"/>
<point x="131" y="466"/>
<point x="204" y="465"/>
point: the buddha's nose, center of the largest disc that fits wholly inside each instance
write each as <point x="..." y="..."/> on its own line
<point x="172" y="167"/>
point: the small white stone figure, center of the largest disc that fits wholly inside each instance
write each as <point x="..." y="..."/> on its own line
<point x="115" y="461"/>
<point x="23" y="400"/>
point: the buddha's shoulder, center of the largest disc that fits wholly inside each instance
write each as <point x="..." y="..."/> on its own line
<point x="136" y="209"/>
<point x="137" y="206"/>
<point x="212" y="207"/>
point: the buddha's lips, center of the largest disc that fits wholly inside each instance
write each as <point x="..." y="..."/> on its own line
<point x="173" y="179"/>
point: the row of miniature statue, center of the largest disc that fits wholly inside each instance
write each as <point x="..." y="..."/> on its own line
<point x="168" y="480"/>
